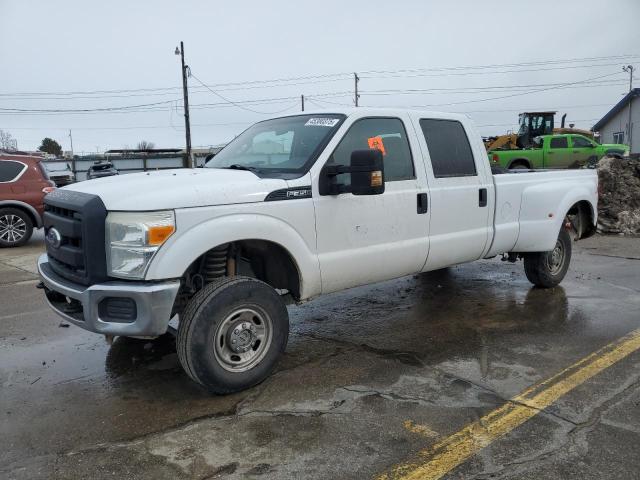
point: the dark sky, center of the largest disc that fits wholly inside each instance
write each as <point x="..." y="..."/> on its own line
<point x="121" y="53"/>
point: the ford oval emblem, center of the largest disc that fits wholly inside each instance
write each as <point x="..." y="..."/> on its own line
<point x="54" y="239"/>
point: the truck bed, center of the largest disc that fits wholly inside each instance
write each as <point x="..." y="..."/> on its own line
<point x="526" y="201"/>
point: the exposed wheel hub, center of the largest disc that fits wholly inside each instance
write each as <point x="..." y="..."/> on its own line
<point x="242" y="339"/>
<point x="241" y="336"/>
<point x="555" y="259"/>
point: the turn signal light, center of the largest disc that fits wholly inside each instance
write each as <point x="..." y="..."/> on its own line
<point x="495" y="158"/>
<point x="159" y="234"/>
<point x="48" y="189"/>
<point x="376" y="178"/>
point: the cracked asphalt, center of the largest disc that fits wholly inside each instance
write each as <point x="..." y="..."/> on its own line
<point x="371" y="377"/>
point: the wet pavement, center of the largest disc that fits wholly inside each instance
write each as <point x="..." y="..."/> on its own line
<point x="371" y="376"/>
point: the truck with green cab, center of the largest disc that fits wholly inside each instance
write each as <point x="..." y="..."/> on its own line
<point x="556" y="151"/>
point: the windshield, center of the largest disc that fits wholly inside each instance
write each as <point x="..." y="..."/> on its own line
<point x="287" y="145"/>
<point x="56" y="167"/>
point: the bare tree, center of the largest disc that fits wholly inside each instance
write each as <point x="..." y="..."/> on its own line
<point x="7" y="142"/>
<point x="144" y="145"/>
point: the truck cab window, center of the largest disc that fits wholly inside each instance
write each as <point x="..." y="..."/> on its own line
<point x="581" y="142"/>
<point x="449" y="148"/>
<point x="385" y="134"/>
<point x="559" y="142"/>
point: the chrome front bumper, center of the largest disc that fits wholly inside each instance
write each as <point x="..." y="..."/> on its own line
<point x="80" y="305"/>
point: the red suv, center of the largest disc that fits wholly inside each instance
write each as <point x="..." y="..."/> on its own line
<point x="23" y="185"/>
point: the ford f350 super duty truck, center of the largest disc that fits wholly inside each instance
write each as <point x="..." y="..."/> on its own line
<point x="295" y="207"/>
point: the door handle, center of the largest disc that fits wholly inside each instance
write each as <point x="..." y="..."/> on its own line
<point x="482" y="197"/>
<point x="423" y="203"/>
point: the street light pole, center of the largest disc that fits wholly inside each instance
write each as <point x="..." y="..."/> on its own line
<point x="187" y="123"/>
<point x="630" y="69"/>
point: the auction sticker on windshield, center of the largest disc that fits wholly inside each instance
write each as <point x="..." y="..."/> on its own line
<point x="322" y="122"/>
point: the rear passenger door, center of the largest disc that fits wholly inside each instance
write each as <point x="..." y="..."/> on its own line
<point x="461" y="193"/>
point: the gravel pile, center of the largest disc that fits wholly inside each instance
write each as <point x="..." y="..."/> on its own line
<point x="619" y="204"/>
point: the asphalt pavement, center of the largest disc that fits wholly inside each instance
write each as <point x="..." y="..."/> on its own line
<point x="404" y="379"/>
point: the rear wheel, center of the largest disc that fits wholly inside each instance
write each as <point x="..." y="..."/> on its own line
<point x="232" y="333"/>
<point x="16" y="227"/>
<point x="519" y="166"/>
<point x="547" y="269"/>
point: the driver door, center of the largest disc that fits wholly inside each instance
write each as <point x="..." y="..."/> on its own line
<point x="363" y="239"/>
<point x="582" y="150"/>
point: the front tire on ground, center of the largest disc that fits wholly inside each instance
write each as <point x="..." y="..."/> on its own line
<point x="16" y="227"/>
<point x="232" y="333"/>
<point x="547" y="269"/>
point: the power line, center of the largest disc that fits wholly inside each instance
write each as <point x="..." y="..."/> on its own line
<point x="157" y="107"/>
<point x="479" y="89"/>
<point x="336" y="76"/>
<point x="416" y="75"/>
<point x="106" y="109"/>
<point x="235" y="103"/>
<point x="130" y="127"/>
<point x="506" y="65"/>
<point x="520" y="94"/>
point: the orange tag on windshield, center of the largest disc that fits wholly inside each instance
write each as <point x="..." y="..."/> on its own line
<point x="375" y="143"/>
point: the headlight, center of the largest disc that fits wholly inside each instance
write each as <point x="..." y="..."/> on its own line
<point x="133" y="238"/>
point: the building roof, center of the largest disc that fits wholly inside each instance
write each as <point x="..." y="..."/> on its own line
<point x="618" y="106"/>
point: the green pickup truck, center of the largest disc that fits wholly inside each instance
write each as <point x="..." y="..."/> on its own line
<point x="556" y="151"/>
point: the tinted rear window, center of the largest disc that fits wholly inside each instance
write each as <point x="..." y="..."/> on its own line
<point x="449" y="148"/>
<point x="10" y="169"/>
<point x="558" y="142"/>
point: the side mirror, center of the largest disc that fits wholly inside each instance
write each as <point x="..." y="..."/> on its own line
<point x="366" y="170"/>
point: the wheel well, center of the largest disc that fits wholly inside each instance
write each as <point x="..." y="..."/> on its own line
<point x="17" y="206"/>
<point x="581" y="216"/>
<point x="261" y="259"/>
<point x="614" y="153"/>
<point x="520" y="161"/>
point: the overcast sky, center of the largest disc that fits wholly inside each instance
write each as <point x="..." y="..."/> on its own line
<point x="50" y="48"/>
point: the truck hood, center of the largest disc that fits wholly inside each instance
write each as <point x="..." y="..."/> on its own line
<point x="615" y="146"/>
<point x="179" y="188"/>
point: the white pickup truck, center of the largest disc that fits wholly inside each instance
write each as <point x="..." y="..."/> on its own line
<point x="295" y="207"/>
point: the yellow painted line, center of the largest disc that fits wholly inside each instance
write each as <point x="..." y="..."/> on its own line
<point x="423" y="430"/>
<point x="439" y="459"/>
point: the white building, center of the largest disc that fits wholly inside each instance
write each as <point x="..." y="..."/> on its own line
<point x="614" y="126"/>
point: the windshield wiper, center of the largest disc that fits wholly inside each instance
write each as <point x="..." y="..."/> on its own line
<point x="237" y="166"/>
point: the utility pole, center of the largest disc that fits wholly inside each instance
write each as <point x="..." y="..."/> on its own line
<point x="73" y="158"/>
<point x="630" y="69"/>
<point x="187" y="123"/>
<point x="302" y="100"/>
<point x="356" y="79"/>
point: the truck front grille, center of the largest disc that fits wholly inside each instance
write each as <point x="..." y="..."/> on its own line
<point x="74" y="235"/>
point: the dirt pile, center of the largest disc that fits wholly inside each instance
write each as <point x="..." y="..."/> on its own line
<point x="619" y="203"/>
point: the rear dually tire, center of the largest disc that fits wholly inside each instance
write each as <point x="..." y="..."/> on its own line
<point x="548" y="269"/>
